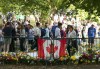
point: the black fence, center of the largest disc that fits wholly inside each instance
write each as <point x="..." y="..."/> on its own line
<point x="16" y="42"/>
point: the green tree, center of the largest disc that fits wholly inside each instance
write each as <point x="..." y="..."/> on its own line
<point x="44" y="8"/>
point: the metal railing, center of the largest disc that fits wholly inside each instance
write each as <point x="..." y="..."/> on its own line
<point x="15" y="42"/>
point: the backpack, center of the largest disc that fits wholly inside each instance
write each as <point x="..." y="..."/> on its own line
<point x="43" y="32"/>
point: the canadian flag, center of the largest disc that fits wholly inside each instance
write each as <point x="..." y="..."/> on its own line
<point x="46" y="48"/>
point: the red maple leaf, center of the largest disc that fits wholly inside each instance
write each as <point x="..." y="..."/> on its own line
<point x="51" y="48"/>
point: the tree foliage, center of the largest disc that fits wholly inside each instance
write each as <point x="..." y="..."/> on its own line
<point x="46" y="7"/>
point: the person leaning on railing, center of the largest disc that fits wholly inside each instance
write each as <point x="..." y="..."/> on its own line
<point x="72" y="42"/>
<point x="58" y="30"/>
<point x="47" y="31"/>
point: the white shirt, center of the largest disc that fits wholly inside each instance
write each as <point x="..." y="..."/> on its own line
<point x="47" y="32"/>
<point x="57" y="33"/>
<point x="37" y="31"/>
<point x="72" y="34"/>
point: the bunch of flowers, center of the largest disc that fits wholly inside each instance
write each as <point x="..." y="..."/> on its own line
<point x="73" y="51"/>
<point x="85" y="58"/>
<point x="10" y="58"/>
<point x="97" y="56"/>
<point x="90" y="56"/>
<point x="74" y="59"/>
<point x="25" y="58"/>
<point x="65" y="59"/>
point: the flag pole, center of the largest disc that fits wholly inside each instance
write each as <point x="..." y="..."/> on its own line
<point x="52" y="50"/>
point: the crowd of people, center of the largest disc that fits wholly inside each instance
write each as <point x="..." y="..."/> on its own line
<point x="11" y="32"/>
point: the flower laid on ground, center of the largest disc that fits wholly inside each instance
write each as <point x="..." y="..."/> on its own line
<point x="73" y="58"/>
<point x="28" y="58"/>
<point x="90" y="51"/>
<point x="73" y="50"/>
<point x="61" y="58"/>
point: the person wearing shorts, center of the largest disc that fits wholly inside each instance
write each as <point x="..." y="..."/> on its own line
<point x="7" y="32"/>
<point x="91" y="40"/>
<point x="91" y="35"/>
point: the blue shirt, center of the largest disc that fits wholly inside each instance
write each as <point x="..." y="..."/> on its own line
<point x="91" y="32"/>
<point x="8" y="31"/>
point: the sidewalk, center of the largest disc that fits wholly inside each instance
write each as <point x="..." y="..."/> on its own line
<point x="92" y="66"/>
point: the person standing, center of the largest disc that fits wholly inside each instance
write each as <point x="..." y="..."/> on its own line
<point x="37" y="34"/>
<point x="83" y="34"/>
<point x="55" y="25"/>
<point x="91" y="35"/>
<point x="13" y="39"/>
<point x="7" y="31"/>
<point x="31" y="37"/>
<point x="58" y="30"/>
<point x="22" y="38"/>
<point x="72" y="42"/>
<point x="47" y="31"/>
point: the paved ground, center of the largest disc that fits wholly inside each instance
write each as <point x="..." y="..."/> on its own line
<point x="50" y="67"/>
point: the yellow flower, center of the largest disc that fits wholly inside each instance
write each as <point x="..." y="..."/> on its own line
<point x="73" y="58"/>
